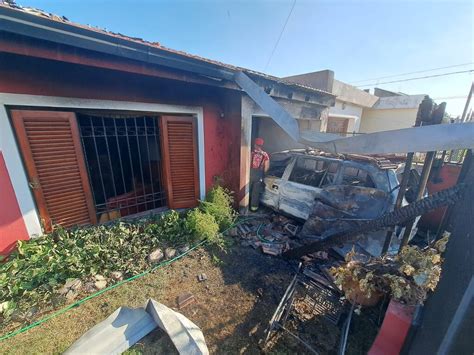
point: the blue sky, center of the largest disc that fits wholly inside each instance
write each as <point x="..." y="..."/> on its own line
<point x="358" y="40"/>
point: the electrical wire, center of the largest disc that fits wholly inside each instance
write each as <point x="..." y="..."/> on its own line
<point x="413" y="72"/>
<point x="418" y="78"/>
<point x="279" y="37"/>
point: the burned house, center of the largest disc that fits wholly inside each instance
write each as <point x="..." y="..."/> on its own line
<point x="96" y="125"/>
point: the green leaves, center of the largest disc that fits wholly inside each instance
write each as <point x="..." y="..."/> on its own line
<point x="218" y="204"/>
<point x="35" y="272"/>
<point x="202" y="225"/>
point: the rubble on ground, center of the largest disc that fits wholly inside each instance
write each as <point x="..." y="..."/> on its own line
<point x="273" y="234"/>
<point x="155" y="256"/>
<point x="170" y="253"/>
<point x="185" y="299"/>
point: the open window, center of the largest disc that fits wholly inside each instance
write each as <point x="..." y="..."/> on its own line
<point x="314" y="172"/>
<point x="124" y="162"/>
<point x="278" y="165"/>
<point x="356" y="177"/>
<point x="86" y="167"/>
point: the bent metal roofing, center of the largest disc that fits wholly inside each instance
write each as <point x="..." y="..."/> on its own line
<point x="155" y="45"/>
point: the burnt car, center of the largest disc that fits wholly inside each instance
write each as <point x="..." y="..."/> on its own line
<point x="327" y="190"/>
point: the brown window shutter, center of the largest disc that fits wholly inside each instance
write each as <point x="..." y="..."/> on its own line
<point x="180" y="157"/>
<point x="53" y="157"/>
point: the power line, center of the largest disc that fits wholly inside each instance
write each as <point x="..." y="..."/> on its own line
<point x="413" y="72"/>
<point x="450" y="97"/>
<point x="279" y="37"/>
<point x="418" y="78"/>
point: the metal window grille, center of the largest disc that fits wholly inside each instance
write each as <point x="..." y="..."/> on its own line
<point x="123" y="159"/>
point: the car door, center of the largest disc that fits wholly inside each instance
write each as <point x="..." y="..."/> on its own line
<point x="279" y="171"/>
<point x="303" y="184"/>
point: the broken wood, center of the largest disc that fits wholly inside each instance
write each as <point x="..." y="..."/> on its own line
<point x="185" y="299"/>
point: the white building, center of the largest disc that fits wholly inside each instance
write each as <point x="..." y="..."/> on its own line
<point x="358" y="111"/>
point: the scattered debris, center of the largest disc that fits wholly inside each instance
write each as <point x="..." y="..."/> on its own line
<point x="100" y="282"/>
<point x="185" y="335"/>
<point x="272" y="248"/>
<point x="71" y="285"/>
<point x="350" y="232"/>
<point x="185" y="299"/>
<point x="89" y="287"/>
<point x="183" y="249"/>
<point x="233" y="232"/>
<point x="244" y="229"/>
<point x="170" y="253"/>
<point x="202" y="277"/>
<point x="126" y="326"/>
<point x="71" y="289"/>
<point x="304" y="300"/>
<point x="71" y="295"/>
<point x="291" y="228"/>
<point x="155" y="256"/>
<point x="116" y="275"/>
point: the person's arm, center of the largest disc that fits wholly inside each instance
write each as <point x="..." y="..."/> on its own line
<point x="266" y="163"/>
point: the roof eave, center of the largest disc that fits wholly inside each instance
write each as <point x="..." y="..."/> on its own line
<point x="29" y="25"/>
<point x="20" y="22"/>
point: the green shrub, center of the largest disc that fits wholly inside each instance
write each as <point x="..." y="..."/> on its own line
<point x="219" y="203"/>
<point x="203" y="226"/>
<point x="168" y="227"/>
<point x="34" y="273"/>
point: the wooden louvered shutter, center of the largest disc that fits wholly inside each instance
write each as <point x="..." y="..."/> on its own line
<point x="180" y="157"/>
<point x="54" y="161"/>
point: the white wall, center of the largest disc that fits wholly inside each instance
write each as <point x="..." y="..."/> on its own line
<point x="17" y="174"/>
<point x="345" y="110"/>
<point x="376" y="120"/>
<point x="276" y="139"/>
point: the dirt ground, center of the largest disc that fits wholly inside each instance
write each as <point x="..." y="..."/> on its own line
<point x="234" y="305"/>
<point x="233" y="308"/>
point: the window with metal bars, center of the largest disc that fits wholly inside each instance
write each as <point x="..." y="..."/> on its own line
<point x="123" y="159"/>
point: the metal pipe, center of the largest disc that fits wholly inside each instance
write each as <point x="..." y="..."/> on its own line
<point x="148" y="150"/>
<point x="309" y="347"/>
<point x="345" y="331"/>
<point x="108" y="156"/>
<point x="93" y="128"/>
<point x="401" y="194"/>
<point x="425" y="174"/>
<point x="140" y="161"/>
<point x="466" y="105"/>
<point x="131" y="165"/>
<point x="122" y="172"/>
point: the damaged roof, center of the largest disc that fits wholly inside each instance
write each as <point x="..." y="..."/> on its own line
<point x="123" y="44"/>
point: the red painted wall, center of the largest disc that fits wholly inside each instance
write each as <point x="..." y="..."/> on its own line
<point x="26" y="75"/>
<point x="12" y="226"/>
<point x="222" y="134"/>
<point x="443" y="179"/>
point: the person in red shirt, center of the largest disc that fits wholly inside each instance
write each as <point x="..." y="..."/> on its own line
<point x="259" y="165"/>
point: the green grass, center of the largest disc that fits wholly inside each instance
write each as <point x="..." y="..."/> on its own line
<point x="57" y="334"/>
